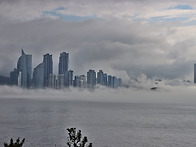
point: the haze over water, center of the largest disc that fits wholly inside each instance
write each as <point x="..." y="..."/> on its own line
<point x="106" y="117"/>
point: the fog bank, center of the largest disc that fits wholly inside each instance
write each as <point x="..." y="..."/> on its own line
<point x="164" y="94"/>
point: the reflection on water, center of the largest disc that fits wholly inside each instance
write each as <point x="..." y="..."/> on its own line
<point x="44" y="123"/>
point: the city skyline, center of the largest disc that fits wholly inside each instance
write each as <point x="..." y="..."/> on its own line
<point x="64" y="78"/>
<point x="43" y="76"/>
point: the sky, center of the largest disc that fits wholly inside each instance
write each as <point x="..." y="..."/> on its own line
<point x="130" y="39"/>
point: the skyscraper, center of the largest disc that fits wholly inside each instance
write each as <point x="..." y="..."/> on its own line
<point x="91" y="78"/>
<point x="14" y="77"/>
<point x="24" y="66"/>
<point x="76" y="82"/>
<point x="38" y="76"/>
<point x="105" y="79"/>
<point x="110" y="81"/>
<point x="63" y="62"/>
<point x="52" y="82"/>
<point x="48" y="68"/>
<point x="69" y="78"/>
<point x="115" y="82"/>
<point x="80" y="81"/>
<point x="100" y="76"/>
<point x="194" y="73"/>
<point x="60" y="81"/>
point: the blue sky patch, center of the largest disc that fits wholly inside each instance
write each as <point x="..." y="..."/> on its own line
<point x="55" y="12"/>
<point x="60" y="8"/>
<point x="161" y="19"/>
<point x="182" y="7"/>
<point x="166" y="19"/>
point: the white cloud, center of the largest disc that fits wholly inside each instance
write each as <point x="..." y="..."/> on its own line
<point x="114" y="46"/>
<point x="112" y="43"/>
<point x="129" y="10"/>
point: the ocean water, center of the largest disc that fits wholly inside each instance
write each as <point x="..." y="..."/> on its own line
<point x="44" y="122"/>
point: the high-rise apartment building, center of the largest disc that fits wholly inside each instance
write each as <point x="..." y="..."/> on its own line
<point x="110" y="81"/>
<point x="100" y="76"/>
<point x="48" y="68"/>
<point x="76" y="81"/>
<point x="14" y="77"/>
<point x="91" y="78"/>
<point x="38" y="76"/>
<point x="80" y="81"/>
<point x="63" y="62"/>
<point x="52" y="82"/>
<point x="60" y="81"/>
<point x="115" y="82"/>
<point x="68" y="78"/>
<point x="24" y="66"/>
<point x="105" y="79"/>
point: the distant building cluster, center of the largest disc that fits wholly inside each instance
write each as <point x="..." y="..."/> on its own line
<point x="43" y="76"/>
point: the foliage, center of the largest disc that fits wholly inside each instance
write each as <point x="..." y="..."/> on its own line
<point x="16" y="144"/>
<point x="75" y="139"/>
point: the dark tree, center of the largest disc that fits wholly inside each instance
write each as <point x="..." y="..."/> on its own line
<point x="18" y="143"/>
<point x="75" y="139"/>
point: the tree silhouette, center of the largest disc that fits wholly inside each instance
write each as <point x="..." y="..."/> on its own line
<point x="75" y="139"/>
<point x="16" y="144"/>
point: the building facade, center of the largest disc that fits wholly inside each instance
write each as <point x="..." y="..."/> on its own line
<point x="52" y="81"/>
<point x="110" y="81"/>
<point x="105" y="79"/>
<point x="115" y="82"/>
<point x="24" y="66"/>
<point x="48" y="68"/>
<point x="60" y="81"/>
<point x="76" y="81"/>
<point x="91" y="78"/>
<point x="82" y="81"/>
<point x="100" y="77"/>
<point x="63" y="62"/>
<point x="14" y="77"/>
<point x="68" y="78"/>
<point x="38" y="76"/>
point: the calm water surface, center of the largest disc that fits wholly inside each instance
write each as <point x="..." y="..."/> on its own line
<point x="44" y="123"/>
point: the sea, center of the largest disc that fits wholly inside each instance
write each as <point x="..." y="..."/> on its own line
<point x="44" y="123"/>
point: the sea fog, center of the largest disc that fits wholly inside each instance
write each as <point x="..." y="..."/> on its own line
<point x="121" y="117"/>
<point x="163" y="94"/>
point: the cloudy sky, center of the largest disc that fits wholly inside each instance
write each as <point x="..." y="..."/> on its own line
<point x="126" y="38"/>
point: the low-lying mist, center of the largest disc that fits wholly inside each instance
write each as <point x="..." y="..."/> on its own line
<point x="136" y="94"/>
